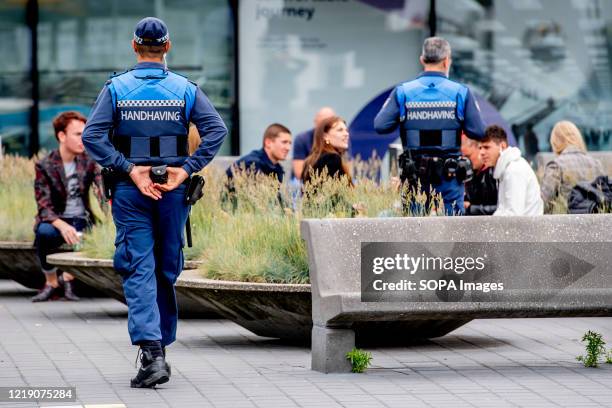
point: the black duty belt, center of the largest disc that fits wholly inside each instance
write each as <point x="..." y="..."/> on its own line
<point x="124" y="145"/>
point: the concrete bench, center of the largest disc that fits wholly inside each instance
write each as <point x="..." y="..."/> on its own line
<point x="551" y="266"/>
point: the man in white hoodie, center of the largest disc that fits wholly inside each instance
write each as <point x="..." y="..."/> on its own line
<point x="519" y="190"/>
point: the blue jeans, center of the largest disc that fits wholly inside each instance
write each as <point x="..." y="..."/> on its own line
<point x="48" y="239"/>
<point x="149" y="258"/>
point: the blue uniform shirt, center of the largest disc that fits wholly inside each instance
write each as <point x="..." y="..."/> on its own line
<point x="388" y="118"/>
<point x="302" y="145"/>
<point x="260" y="162"/>
<point x="102" y="119"/>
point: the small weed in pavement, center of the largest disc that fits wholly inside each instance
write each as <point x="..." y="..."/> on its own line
<point x="595" y="349"/>
<point x="360" y="359"/>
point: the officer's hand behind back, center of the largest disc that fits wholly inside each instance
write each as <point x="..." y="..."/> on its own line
<point x="176" y="176"/>
<point x="140" y="177"/>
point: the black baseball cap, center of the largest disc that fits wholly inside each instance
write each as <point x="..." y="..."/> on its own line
<point x="151" y="31"/>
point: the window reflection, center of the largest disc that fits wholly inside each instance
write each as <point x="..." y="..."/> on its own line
<point x="15" y="85"/>
<point x="537" y="61"/>
<point x="82" y="42"/>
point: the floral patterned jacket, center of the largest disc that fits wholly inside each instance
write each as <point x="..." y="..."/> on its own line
<point x="50" y="186"/>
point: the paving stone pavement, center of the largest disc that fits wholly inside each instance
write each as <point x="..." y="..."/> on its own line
<point x="215" y="363"/>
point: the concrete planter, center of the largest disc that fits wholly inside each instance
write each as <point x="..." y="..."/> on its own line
<point x="18" y="261"/>
<point x="270" y="310"/>
<point x="284" y="311"/>
<point x="267" y="309"/>
<point x="99" y="273"/>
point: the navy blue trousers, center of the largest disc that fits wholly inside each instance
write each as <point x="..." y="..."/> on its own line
<point x="453" y="194"/>
<point x="48" y="239"/>
<point x="149" y="257"/>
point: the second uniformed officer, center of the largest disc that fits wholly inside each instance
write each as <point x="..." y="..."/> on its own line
<point x="432" y="111"/>
<point x="147" y="111"/>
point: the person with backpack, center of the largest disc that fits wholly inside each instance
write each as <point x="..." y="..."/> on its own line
<point x="572" y="165"/>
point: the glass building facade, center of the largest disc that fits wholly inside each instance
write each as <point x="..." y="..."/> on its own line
<point x="536" y="61"/>
<point x="15" y="80"/>
<point x="79" y="43"/>
<point x="264" y="61"/>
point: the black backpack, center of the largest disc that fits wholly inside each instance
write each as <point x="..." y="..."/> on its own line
<point x="591" y="198"/>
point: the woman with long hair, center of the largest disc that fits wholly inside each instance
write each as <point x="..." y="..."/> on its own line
<point x="572" y="165"/>
<point x="331" y="141"/>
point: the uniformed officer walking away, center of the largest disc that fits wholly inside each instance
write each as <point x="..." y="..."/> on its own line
<point x="432" y="111"/>
<point x="141" y="119"/>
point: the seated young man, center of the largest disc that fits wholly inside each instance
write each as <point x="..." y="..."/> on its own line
<point x="61" y="187"/>
<point x="276" y="147"/>
<point x="481" y="190"/>
<point x="519" y="190"/>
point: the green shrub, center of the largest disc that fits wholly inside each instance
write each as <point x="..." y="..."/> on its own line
<point x="360" y="359"/>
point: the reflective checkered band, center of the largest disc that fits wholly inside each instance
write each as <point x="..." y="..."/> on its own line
<point x="151" y="103"/>
<point x="436" y="104"/>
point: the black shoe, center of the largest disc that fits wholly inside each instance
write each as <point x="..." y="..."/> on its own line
<point x="45" y="294"/>
<point x="69" y="290"/>
<point x="168" y="368"/>
<point x="152" y="371"/>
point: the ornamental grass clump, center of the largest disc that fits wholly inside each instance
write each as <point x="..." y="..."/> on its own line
<point x="257" y="248"/>
<point x="325" y="197"/>
<point x="248" y="233"/>
<point x="205" y="214"/>
<point x="255" y="234"/>
<point x="366" y="169"/>
<point x="99" y="242"/>
<point x="248" y="230"/>
<point x="17" y="202"/>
